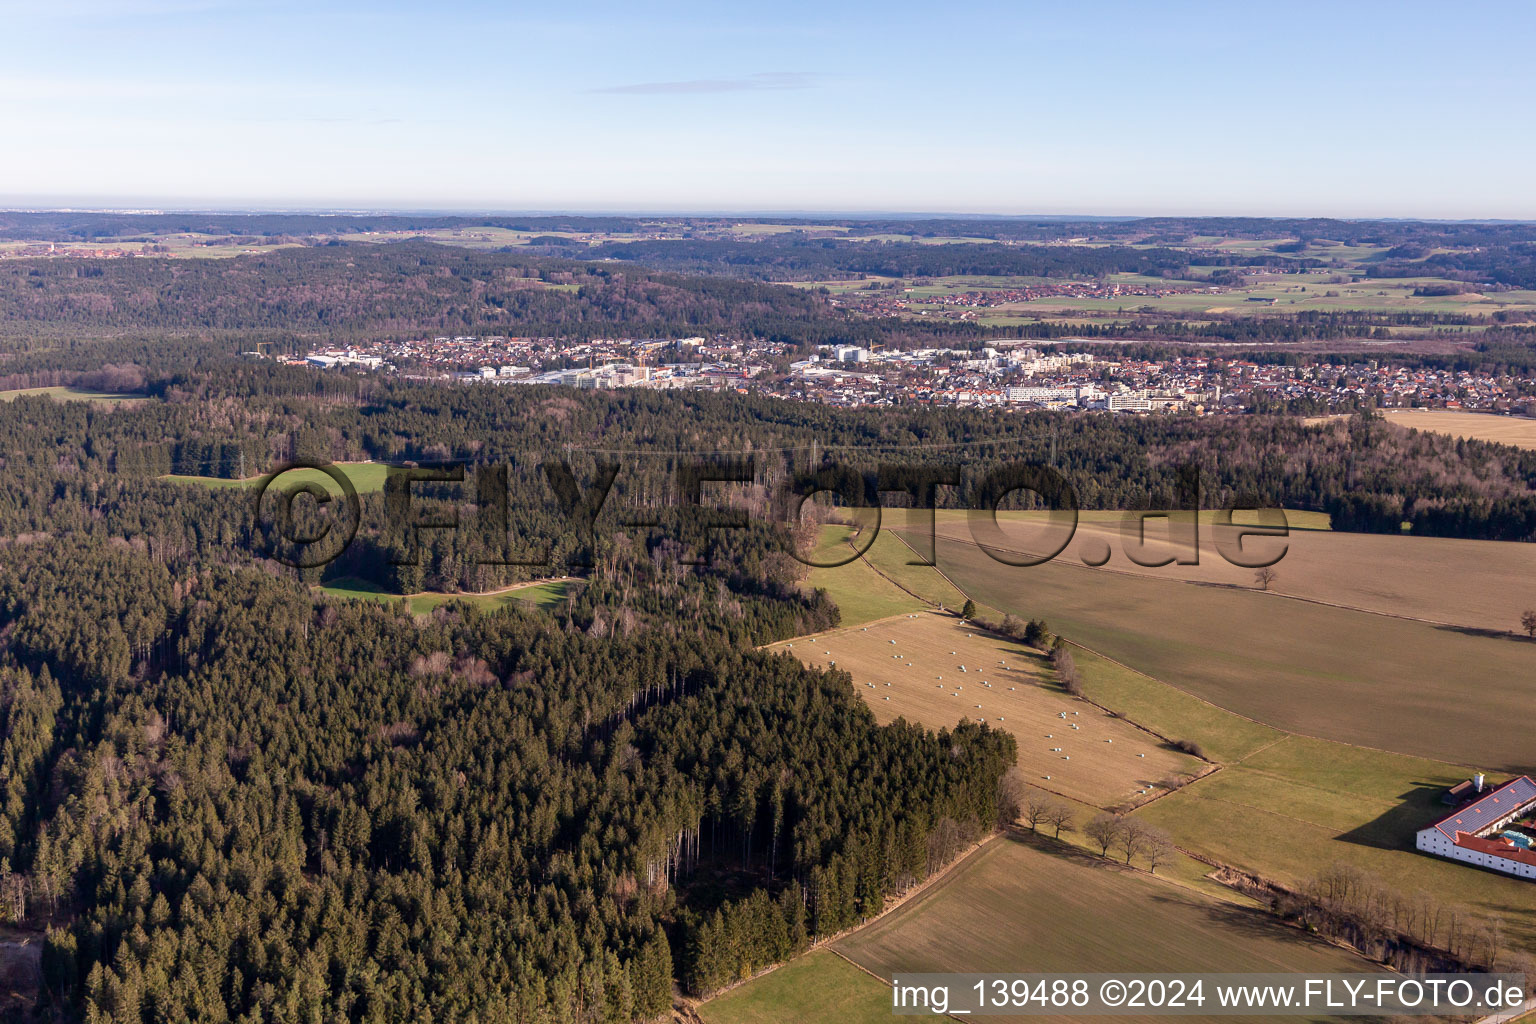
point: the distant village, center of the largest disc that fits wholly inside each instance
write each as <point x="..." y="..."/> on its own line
<point x="1005" y="374"/>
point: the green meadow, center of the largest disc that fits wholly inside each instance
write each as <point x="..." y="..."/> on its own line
<point x="544" y="595"/>
<point x="364" y="476"/>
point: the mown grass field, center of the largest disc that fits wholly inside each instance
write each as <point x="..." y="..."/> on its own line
<point x="896" y="561"/>
<point x="1290" y="810"/>
<point x="1013" y="906"/>
<point x="1519" y="431"/>
<point x="929" y="667"/>
<point x="860" y="593"/>
<point x="546" y="595"/>
<point x="1349" y="676"/>
<point x="64" y="393"/>
<point x="365" y="477"/>
<point x="1223" y="736"/>
<point x="820" y="986"/>
<point x="1470" y="583"/>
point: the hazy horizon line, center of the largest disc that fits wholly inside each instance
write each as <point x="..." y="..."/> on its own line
<point x="149" y="208"/>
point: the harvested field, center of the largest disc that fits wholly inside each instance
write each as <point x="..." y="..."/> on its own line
<point x="1519" y="431"/>
<point x="929" y="668"/>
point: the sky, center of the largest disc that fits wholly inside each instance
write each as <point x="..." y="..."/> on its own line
<point x="1353" y="109"/>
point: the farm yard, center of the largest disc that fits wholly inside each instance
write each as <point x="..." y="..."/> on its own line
<point x="930" y="668"/>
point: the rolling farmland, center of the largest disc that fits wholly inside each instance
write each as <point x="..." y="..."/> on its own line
<point x="1283" y="806"/>
<point x="1348" y="676"/>
<point x="1017" y="905"/>
<point x="1437" y="579"/>
<point x="1287" y="807"/>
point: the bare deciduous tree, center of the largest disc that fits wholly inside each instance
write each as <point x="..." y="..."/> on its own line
<point x="1158" y="847"/>
<point x="1104" y="829"/>
<point x="1132" y="837"/>
<point x="1059" y="816"/>
<point x="1036" y="809"/>
<point x="1266" y="577"/>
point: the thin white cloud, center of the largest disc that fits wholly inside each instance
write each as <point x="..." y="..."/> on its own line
<point x="110" y="9"/>
<point x="763" y="81"/>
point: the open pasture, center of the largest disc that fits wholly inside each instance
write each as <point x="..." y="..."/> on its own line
<point x="1017" y="907"/>
<point x="1471" y="583"/>
<point x="1350" y="676"/>
<point x="545" y="595"/>
<point x="65" y="393"/>
<point x="930" y="668"/>
<point x="818" y="987"/>
<point x="365" y="477"/>
<point x="859" y="592"/>
<point x="1518" y="431"/>
<point x="1292" y="809"/>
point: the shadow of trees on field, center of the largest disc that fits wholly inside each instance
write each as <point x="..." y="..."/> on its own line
<point x="1487" y="634"/>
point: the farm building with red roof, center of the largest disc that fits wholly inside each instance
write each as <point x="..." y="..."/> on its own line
<point x="1489" y="831"/>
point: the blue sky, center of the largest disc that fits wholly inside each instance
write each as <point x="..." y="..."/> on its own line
<point x="1346" y="109"/>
